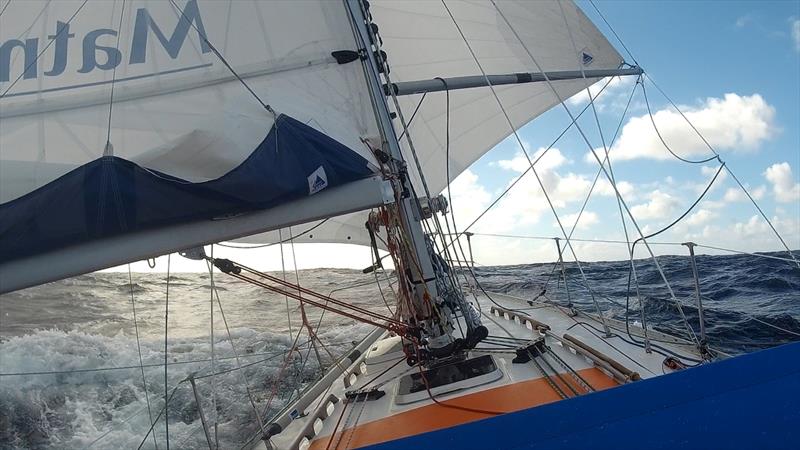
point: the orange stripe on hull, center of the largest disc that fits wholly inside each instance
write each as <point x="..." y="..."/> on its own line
<point x="508" y="398"/>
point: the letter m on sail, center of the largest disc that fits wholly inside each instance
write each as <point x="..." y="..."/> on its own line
<point x="187" y="19"/>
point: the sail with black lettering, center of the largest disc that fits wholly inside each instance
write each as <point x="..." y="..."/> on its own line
<point x="124" y="118"/>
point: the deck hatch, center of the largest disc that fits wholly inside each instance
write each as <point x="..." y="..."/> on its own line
<point x="448" y="378"/>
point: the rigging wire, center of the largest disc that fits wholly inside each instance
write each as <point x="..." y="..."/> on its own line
<point x="528" y="169"/>
<point x="760" y="255"/>
<point x="215" y="292"/>
<point x="414" y="114"/>
<point x="223" y="60"/>
<point x="616" y="190"/>
<point x="4" y="8"/>
<point x="139" y="351"/>
<point x="522" y="146"/>
<point x="664" y="143"/>
<point x="39" y="55"/>
<point x="283" y="275"/>
<point x="213" y="352"/>
<point x="113" y="80"/>
<point x="166" y="366"/>
<point x="614" y="32"/>
<point x="632" y="269"/>
<point x="705" y="141"/>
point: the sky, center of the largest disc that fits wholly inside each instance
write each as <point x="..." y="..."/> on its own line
<point x="733" y="68"/>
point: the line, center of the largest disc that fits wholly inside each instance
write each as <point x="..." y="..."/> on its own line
<point x="118" y="80"/>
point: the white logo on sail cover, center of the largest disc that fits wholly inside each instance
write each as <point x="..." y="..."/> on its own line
<point x="317" y="181"/>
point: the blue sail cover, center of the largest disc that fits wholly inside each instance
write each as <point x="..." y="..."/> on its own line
<point x="111" y="196"/>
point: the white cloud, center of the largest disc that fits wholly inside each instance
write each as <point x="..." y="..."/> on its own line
<point x="736" y="123"/>
<point x="742" y="21"/>
<point x="736" y="194"/>
<point x="615" y="95"/>
<point x="519" y="163"/>
<point x="625" y="188"/>
<point x="660" y="205"/>
<point x="785" y="188"/>
<point x="701" y="217"/>
<point x="587" y="219"/>
<point x="795" y="26"/>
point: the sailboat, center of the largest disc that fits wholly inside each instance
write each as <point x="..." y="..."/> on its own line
<point x="138" y="128"/>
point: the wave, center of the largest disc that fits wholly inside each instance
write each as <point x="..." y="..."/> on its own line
<point x="52" y="395"/>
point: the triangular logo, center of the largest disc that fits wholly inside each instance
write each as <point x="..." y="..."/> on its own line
<point x="317" y="181"/>
<point x="586" y="58"/>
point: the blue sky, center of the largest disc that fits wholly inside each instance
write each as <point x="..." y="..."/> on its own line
<point x="734" y="67"/>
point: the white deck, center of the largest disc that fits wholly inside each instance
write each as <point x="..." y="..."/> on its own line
<point x="583" y="327"/>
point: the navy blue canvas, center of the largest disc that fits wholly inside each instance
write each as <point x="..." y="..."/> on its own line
<point x="111" y="196"/>
<point x="746" y="402"/>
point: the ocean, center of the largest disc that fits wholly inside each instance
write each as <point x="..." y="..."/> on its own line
<point x="53" y="338"/>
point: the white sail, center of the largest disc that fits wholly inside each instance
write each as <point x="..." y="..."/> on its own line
<point x="177" y="108"/>
<point x="117" y="122"/>
<point x="422" y="43"/>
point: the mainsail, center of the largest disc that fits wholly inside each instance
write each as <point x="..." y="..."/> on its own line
<point x="184" y="94"/>
<point x="123" y="118"/>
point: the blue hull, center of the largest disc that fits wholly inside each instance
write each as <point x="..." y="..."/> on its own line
<point x="747" y="402"/>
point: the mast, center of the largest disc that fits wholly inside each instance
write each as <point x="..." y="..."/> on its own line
<point x="424" y="279"/>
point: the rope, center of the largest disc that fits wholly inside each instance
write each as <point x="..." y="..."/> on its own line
<point x="280" y="240"/>
<point x="139" y="351"/>
<point x="372" y="315"/>
<point x="447" y="405"/>
<point x="633" y="249"/>
<point x="546" y="377"/>
<point x="664" y="143"/>
<point x="735" y="178"/>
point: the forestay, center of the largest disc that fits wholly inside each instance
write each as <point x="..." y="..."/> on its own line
<point x="139" y="81"/>
<point x="423" y="43"/>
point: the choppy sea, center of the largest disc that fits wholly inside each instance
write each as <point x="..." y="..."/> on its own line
<point x="54" y="337"/>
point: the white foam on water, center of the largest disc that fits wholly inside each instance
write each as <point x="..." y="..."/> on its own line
<point x="108" y="409"/>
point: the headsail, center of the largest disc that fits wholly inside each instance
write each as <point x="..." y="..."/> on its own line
<point x="422" y="43"/>
<point x="173" y="93"/>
